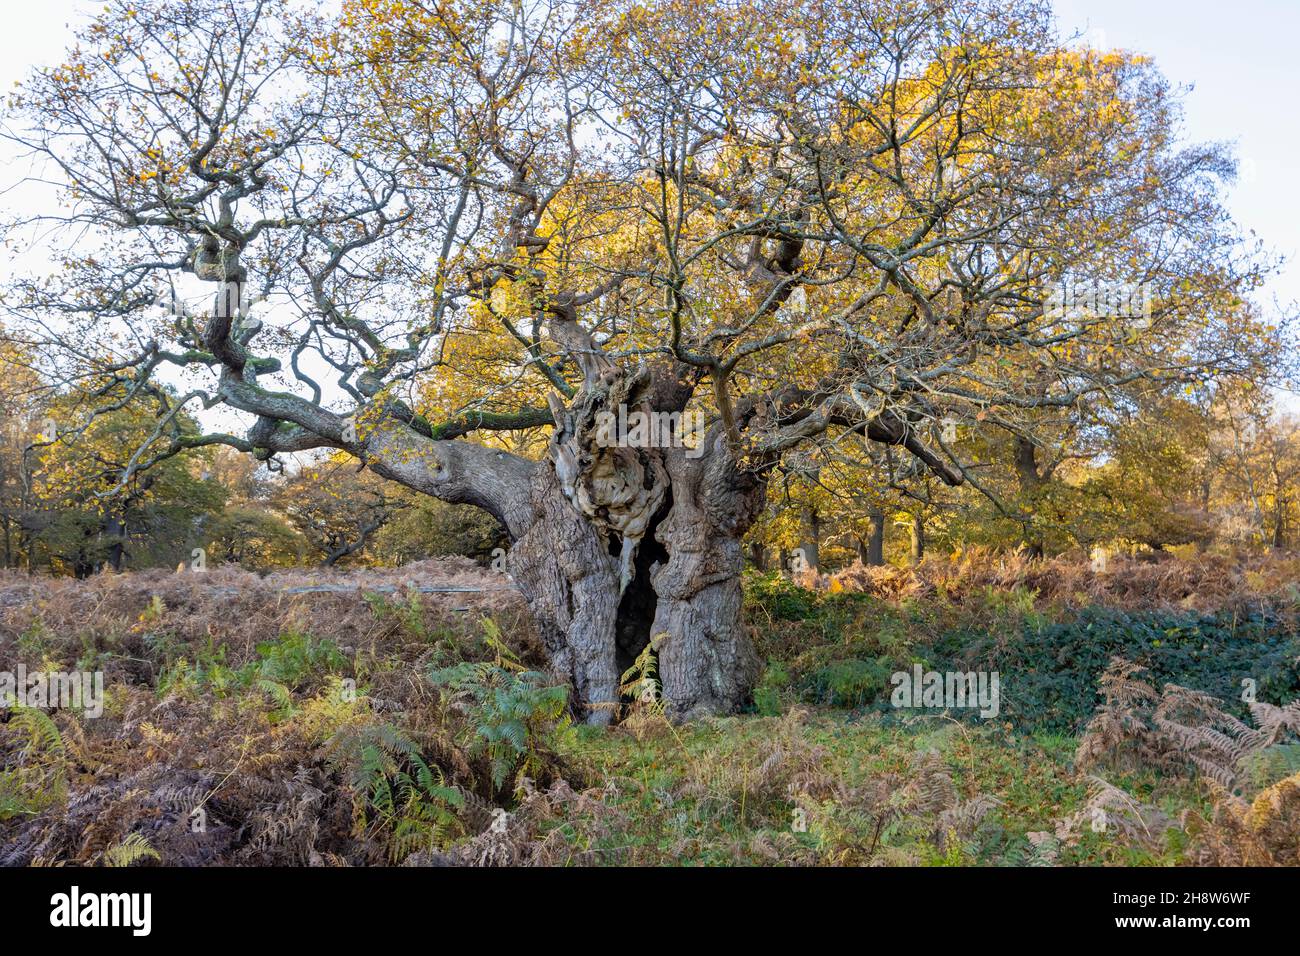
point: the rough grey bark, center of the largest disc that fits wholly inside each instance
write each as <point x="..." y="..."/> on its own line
<point x="706" y="662"/>
<point x="565" y="572"/>
<point x="684" y="588"/>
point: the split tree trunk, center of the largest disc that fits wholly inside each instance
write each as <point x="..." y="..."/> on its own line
<point x="683" y="590"/>
<point x="632" y="544"/>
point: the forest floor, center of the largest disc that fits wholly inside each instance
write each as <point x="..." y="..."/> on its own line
<point x="371" y="717"/>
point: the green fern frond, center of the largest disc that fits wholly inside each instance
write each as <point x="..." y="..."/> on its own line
<point x="41" y="733"/>
<point x="130" y="851"/>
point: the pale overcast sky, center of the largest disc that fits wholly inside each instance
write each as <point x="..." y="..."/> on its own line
<point x="1241" y="61"/>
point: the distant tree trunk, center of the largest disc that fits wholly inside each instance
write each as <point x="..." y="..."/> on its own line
<point x="810" y="544"/>
<point x="116" y="530"/>
<point x="1031" y="480"/>
<point x="876" y="542"/>
<point x="918" y="538"/>
<point x="758" y="555"/>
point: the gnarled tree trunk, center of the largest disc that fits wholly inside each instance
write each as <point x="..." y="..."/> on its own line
<point x="706" y="661"/>
<point x="566" y="573"/>
<point x="633" y="544"/>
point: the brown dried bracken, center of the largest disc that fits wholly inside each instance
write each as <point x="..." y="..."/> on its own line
<point x="1262" y="832"/>
<point x="1136" y="727"/>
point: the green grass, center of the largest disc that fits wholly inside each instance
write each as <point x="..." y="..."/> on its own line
<point x="662" y="817"/>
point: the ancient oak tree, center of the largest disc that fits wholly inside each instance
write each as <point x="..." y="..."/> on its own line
<point x="453" y="238"/>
